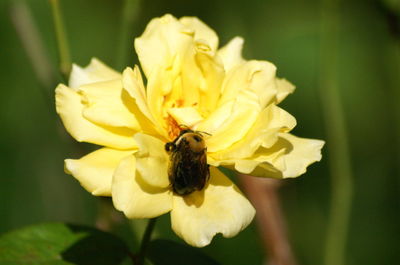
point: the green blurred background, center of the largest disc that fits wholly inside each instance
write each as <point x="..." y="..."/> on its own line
<point x="34" y="188"/>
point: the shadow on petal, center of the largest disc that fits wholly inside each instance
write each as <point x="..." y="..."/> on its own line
<point x="196" y="198"/>
<point x="280" y="144"/>
<point x="146" y="187"/>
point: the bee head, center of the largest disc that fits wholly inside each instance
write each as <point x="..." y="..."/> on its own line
<point x="195" y="141"/>
<point x="169" y="147"/>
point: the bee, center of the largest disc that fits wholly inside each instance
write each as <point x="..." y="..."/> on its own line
<point x="188" y="169"/>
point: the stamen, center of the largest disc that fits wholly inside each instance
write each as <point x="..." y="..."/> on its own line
<point x="173" y="127"/>
<point x="179" y="103"/>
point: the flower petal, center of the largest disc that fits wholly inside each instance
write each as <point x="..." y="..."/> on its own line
<point x="215" y="120"/>
<point x="303" y="153"/>
<point x="219" y="208"/>
<point x="94" y="171"/>
<point x="136" y="101"/>
<point x="96" y="71"/>
<point x="284" y="88"/>
<point x="188" y="116"/>
<point x="104" y="104"/>
<point x="287" y="158"/>
<point x="211" y="76"/>
<point x="163" y="39"/>
<point x="201" y="31"/>
<point x="257" y="76"/>
<point x="136" y="198"/>
<point x="152" y="160"/>
<point x="159" y="85"/>
<point x="264" y="131"/>
<point x="244" y="113"/>
<point x="231" y="53"/>
<point x="69" y="106"/>
<point x="133" y="84"/>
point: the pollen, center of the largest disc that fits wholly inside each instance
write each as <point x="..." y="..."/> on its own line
<point x="179" y="102"/>
<point x="173" y="127"/>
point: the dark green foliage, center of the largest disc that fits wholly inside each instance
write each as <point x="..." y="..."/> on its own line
<point x="166" y="252"/>
<point x="61" y="244"/>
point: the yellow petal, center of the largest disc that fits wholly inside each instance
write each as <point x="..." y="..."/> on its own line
<point x="152" y="160"/>
<point x="201" y="31"/>
<point x="104" y="104"/>
<point x="191" y="78"/>
<point x="211" y="77"/>
<point x="188" y="116"/>
<point x="136" y="101"/>
<point x="219" y="208"/>
<point x="215" y="120"/>
<point x="94" y="171"/>
<point x="159" y="85"/>
<point x="287" y="158"/>
<point x="271" y="160"/>
<point x="163" y="39"/>
<point x="136" y="198"/>
<point x="264" y="131"/>
<point x="303" y="153"/>
<point x="257" y="76"/>
<point x="284" y="88"/>
<point x="231" y="53"/>
<point x="133" y="84"/>
<point x="96" y="71"/>
<point x="69" y="106"/>
<point x="245" y="112"/>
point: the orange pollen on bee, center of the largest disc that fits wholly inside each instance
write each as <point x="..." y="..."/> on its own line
<point x="173" y="128"/>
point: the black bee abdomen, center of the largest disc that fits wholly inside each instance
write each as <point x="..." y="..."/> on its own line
<point x="188" y="178"/>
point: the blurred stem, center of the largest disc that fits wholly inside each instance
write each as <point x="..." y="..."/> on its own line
<point x="397" y="106"/>
<point x="394" y="59"/>
<point x="107" y="216"/>
<point x="263" y="193"/>
<point x="32" y="43"/>
<point x="130" y="13"/>
<point x="139" y="258"/>
<point x="337" y="140"/>
<point x="62" y="43"/>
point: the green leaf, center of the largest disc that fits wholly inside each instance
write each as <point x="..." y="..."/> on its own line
<point x="166" y="252"/>
<point x="61" y="244"/>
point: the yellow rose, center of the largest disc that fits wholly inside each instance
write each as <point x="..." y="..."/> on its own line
<point x="190" y="82"/>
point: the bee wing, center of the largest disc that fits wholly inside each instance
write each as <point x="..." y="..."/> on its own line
<point x="204" y="168"/>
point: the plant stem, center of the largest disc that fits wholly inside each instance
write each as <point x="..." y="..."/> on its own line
<point x="337" y="140"/>
<point x="107" y="217"/>
<point x="129" y="15"/>
<point x="263" y="193"/>
<point x="139" y="258"/>
<point x="27" y="31"/>
<point x="63" y="50"/>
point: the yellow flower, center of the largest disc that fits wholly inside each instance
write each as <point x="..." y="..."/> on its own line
<point x="190" y="82"/>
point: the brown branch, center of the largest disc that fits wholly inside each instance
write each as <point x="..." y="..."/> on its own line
<point x="264" y="196"/>
<point x="107" y="217"/>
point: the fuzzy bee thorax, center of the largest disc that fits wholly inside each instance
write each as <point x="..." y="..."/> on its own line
<point x="195" y="141"/>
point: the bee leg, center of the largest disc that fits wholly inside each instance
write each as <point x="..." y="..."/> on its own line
<point x="169" y="146"/>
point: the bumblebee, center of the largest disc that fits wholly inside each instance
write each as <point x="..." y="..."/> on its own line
<point x="188" y="170"/>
